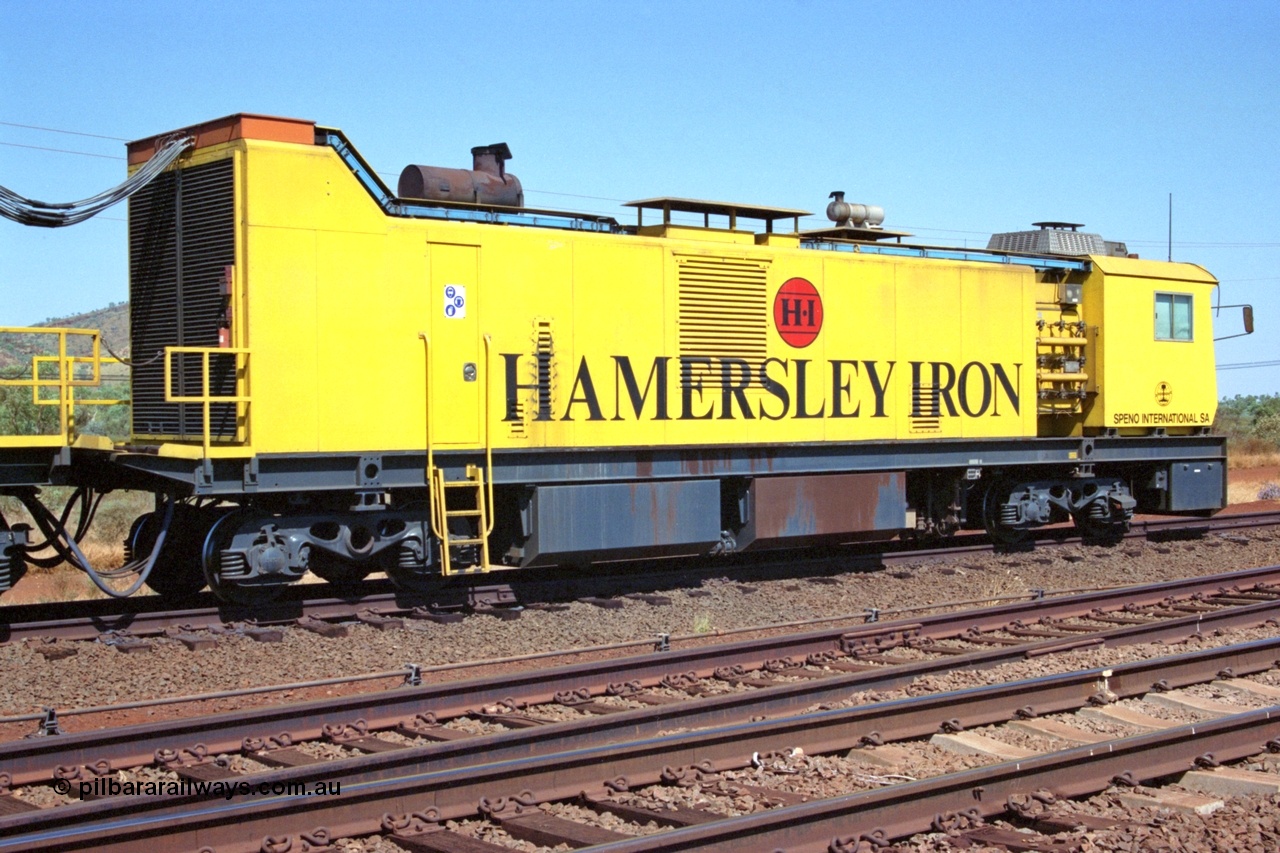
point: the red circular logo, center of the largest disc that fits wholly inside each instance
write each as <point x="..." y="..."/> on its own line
<point x="797" y="312"/>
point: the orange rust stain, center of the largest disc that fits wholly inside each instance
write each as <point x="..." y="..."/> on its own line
<point x="227" y="128"/>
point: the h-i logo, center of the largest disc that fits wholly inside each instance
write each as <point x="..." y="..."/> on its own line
<point x="797" y="312"/>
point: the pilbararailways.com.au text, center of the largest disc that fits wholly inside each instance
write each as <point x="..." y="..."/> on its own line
<point x="109" y="787"/>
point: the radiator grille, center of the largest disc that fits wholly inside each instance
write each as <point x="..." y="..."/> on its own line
<point x="723" y="308"/>
<point x="181" y="242"/>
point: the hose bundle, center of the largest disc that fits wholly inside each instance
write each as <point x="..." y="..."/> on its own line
<point x="66" y="544"/>
<point x="44" y="214"/>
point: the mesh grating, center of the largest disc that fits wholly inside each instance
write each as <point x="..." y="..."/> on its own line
<point x="181" y="241"/>
<point x="1052" y="241"/>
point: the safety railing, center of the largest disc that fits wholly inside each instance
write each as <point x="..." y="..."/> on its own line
<point x="206" y="399"/>
<point x="54" y="379"/>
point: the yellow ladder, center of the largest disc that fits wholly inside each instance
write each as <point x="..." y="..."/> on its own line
<point x="475" y="484"/>
<point x="440" y="487"/>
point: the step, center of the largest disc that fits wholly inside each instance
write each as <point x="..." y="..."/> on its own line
<point x="1058" y="730"/>
<point x="1130" y="718"/>
<point x="968" y="743"/>
<point x="1179" y="701"/>
<point x="1174" y="801"/>
<point x="1269" y="692"/>
<point x="1231" y="781"/>
<point x="464" y="513"/>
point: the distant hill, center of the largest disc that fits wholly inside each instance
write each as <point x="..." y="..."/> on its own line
<point x="113" y="321"/>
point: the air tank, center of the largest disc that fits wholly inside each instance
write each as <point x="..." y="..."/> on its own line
<point x="486" y="182"/>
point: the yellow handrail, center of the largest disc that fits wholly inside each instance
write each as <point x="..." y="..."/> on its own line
<point x="488" y="440"/>
<point x="435" y="479"/>
<point x="436" y="494"/>
<point x="65" y="381"/>
<point x="204" y="397"/>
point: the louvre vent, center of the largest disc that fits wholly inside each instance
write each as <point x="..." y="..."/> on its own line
<point x="538" y="400"/>
<point x="723" y="308"/>
<point x="181" y="242"/>
<point x="544" y="346"/>
<point x="926" y="411"/>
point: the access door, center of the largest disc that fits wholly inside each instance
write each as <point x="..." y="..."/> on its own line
<point x="457" y="376"/>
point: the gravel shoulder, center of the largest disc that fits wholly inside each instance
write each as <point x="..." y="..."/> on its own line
<point x="98" y="674"/>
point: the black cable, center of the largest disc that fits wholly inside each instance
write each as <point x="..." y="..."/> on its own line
<point x="126" y="362"/>
<point x="49" y="541"/>
<point x="66" y="546"/>
<point x="67" y="132"/>
<point x="57" y="214"/>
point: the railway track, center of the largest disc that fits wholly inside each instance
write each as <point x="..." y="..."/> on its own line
<point x="617" y="779"/>
<point x="810" y="667"/>
<point x="823" y="667"/>
<point x="144" y="617"/>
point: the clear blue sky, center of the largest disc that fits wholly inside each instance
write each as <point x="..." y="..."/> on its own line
<point x="959" y="118"/>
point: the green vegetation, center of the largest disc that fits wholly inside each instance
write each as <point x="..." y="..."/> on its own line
<point x="1252" y="426"/>
<point x="112" y="322"/>
<point x="19" y="415"/>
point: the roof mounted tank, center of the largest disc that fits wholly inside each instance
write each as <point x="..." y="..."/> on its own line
<point x="847" y="215"/>
<point x="485" y="183"/>
<point x="1056" y="238"/>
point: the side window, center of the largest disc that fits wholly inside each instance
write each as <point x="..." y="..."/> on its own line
<point x="1173" y="317"/>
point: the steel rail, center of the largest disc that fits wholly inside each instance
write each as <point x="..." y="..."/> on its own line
<point x="900" y="811"/>
<point x="141" y="620"/>
<point x="453" y="785"/>
<point x="138" y="616"/>
<point x="36" y="759"/>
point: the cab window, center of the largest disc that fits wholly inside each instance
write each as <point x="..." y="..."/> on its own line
<point x="1173" y="317"/>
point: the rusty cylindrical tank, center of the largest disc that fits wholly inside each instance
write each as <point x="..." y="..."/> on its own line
<point x="487" y="182"/>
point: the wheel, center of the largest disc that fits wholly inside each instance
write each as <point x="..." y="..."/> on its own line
<point x="342" y="575"/>
<point x="424" y="581"/>
<point x="1000" y="533"/>
<point x="1095" y="531"/>
<point x="142" y="537"/>
<point x="12" y="566"/>
<point x="176" y="574"/>
<point x="409" y="579"/>
<point x="414" y="582"/>
<point x="218" y="538"/>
